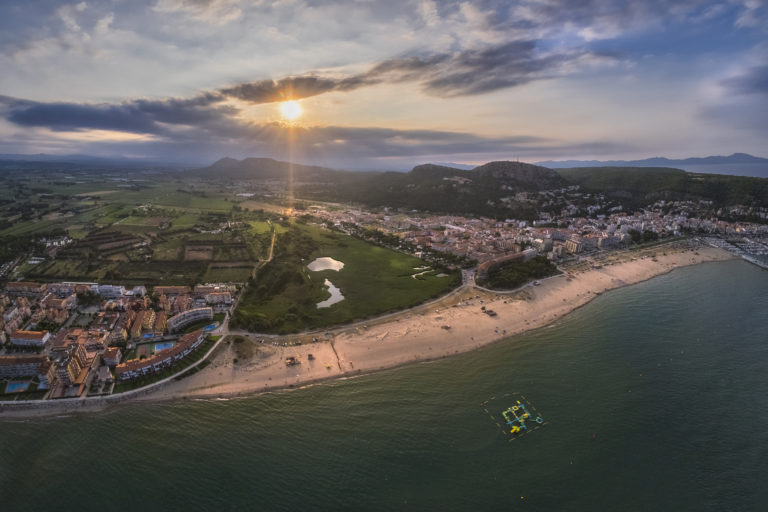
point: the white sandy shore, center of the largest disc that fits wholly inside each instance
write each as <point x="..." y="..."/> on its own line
<point x="419" y="334"/>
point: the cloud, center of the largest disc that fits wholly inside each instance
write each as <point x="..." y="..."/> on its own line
<point x="290" y="88"/>
<point x="742" y="101"/>
<point x="428" y="12"/>
<point x="202" y="129"/>
<point x="753" y="81"/>
<point x="136" y="116"/>
<point x="218" y="12"/>
<point x="466" y="73"/>
<point x="481" y="71"/>
<point x="753" y="14"/>
<point x="279" y="49"/>
<point x="102" y="26"/>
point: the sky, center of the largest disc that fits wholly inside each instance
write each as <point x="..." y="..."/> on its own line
<point x="384" y="84"/>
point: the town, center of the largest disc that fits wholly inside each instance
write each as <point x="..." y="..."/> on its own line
<point x="65" y="340"/>
<point x="75" y="339"/>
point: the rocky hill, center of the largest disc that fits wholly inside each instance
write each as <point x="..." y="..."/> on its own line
<point x="265" y="168"/>
<point x="489" y="189"/>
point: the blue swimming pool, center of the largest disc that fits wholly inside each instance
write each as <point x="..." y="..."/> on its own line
<point x="163" y="346"/>
<point x="16" y="386"/>
<point x="149" y="335"/>
<point x="210" y="327"/>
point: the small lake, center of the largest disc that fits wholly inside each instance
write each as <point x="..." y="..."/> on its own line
<point x="325" y="264"/>
<point x="335" y="297"/>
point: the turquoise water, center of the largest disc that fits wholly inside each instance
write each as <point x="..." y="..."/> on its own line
<point x="654" y="395"/>
<point x="163" y="346"/>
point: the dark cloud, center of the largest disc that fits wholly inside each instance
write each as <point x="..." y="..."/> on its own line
<point x="407" y="68"/>
<point x="291" y="88"/>
<point x="745" y="106"/>
<point x="469" y="72"/>
<point x="491" y="69"/>
<point x="754" y="81"/>
<point x="137" y="116"/>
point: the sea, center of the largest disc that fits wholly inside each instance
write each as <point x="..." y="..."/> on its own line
<point x="654" y="398"/>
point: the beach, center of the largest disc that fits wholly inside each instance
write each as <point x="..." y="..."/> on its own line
<point x="458" y="323"/>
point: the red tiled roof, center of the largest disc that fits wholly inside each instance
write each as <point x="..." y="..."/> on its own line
<point x="181" y="345"/>
<point x="9" y="360"/>
<point x="29" y="335"/>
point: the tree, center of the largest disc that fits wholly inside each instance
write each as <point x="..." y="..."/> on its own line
<point x="650" y="236"/>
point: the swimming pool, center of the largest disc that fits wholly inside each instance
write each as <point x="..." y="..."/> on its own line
<point x="16" y="386"/>
<point x="163" y="346"/>
<point x="149" y="335"/>
<point x="210" y="327"/>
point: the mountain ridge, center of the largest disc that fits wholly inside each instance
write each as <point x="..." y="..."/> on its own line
<point x="658" y="161"/>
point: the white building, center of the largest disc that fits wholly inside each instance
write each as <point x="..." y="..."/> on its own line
<point x="111" y="291"/>
<point x="188" y="317"/>
<point x="30" y="338"/>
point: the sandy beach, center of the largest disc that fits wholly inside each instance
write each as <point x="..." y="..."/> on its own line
<point x="451" y="326"/>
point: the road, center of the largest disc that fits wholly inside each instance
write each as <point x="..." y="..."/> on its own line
<point x="271" y="253"/>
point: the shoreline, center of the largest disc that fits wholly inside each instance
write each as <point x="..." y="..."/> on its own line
<point x="450" y="326"/>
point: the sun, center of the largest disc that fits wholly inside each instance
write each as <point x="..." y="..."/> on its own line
<point x="290" y="110"/>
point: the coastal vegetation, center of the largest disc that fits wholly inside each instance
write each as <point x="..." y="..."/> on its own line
<point x="514" y="274"/>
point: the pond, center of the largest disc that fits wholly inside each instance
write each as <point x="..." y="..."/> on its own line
<point x="335" y="297"/>
<point x="325" y="264"/>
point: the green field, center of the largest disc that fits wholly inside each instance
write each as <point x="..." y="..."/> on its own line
<point x="374" y="280"/>
<point x="163" y="219"/>
<point x="228" y="275"/>
<point x="185" y="221"/>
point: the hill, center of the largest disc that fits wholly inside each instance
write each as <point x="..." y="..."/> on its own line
<point x="638" y="186"/>
<point x="495" y="189"/>
<point x="487" y="190"/>
<point x="735" y="158"/>
<point x="519" y="175"/>
<point x="265" y="168"/>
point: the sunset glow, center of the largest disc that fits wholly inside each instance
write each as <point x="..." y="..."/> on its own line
<point x="290" y="110"/>
<point x="402" y="83"/>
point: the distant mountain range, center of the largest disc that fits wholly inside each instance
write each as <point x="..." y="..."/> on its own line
<point x="267" y="168"/>
<point x="500" y="189"/>
<point x="736" y="158"/>
<point x="512" y="175"/>
<point x="22" y="161"/>
<point x="736" y="164"/>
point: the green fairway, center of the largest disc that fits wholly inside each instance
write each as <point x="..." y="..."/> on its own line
<point x="374" y="280"/>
